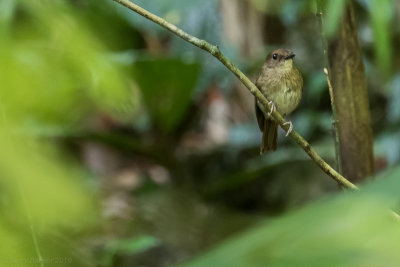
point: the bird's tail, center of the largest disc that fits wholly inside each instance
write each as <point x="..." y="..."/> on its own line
<point x="270" y="136"/>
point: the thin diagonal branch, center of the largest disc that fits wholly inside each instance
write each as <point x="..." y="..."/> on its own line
<point x="327" y="72"/>
<point x="334" y="122"/>
<point x="215" y="51"/>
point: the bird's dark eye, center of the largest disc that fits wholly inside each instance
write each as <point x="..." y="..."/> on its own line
<point x="274" y="56"/>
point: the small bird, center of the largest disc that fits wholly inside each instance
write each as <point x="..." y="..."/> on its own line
<point x="282" y="84"/>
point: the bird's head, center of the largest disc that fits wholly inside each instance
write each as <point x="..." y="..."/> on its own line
<point x="280" y="58"/>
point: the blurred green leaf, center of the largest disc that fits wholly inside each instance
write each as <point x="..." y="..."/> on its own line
<point x="128" y="246"/>
<point x="56" y="78"/>
<point x="333" y="13"/>
<point x="166" y="86"/>
<point x="381" y="15"/>
<point x="98" y="14"/>
<point x="134" y="245"/>
<point x="53" y="72"/>
<point x="7" y="8"/>
<point x="348" y="229"/>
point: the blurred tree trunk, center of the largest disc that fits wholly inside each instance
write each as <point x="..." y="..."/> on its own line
<point x="351" y="100"/>
<point x="243" y="26"/>
<point x="249" y="28"/>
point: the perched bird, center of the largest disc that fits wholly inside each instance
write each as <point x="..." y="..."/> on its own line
<point x="282" y="84"/>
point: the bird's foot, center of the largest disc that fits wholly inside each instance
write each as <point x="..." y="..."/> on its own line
<point x="290" y="127"/>
<point x="273" y="108"/>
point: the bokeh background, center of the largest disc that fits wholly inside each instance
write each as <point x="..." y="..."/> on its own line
<point x="123" y="145"/>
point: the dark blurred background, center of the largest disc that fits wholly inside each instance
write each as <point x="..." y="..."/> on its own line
<point x="123" y="145"/>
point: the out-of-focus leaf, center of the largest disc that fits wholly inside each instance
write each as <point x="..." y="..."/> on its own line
<point x="53" y="71"/>
<point x="349" y="229"/>
<point x="134" y="245"/>
<point x="166" y="86"/>
<point x="7" y="8"/>
<point x="99" y="13"/>
<point x="381" y="14"/>
<point x="128" y="246"/>
<point x="333" y="13"/>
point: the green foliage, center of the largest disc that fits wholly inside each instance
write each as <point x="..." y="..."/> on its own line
<point x="53" y="73"/>
<point x="128" y="246"/>
<point x="333" y="13"/>
<point x="381" y="15"/>
<point x="167" y="86"/>
<point x="52" y="66"/>
<point x="348" y="229"/>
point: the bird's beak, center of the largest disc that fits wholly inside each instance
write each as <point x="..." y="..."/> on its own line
<point x="290" y="56"/>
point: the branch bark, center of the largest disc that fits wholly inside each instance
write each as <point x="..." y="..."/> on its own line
<point x="215" y="51"/>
